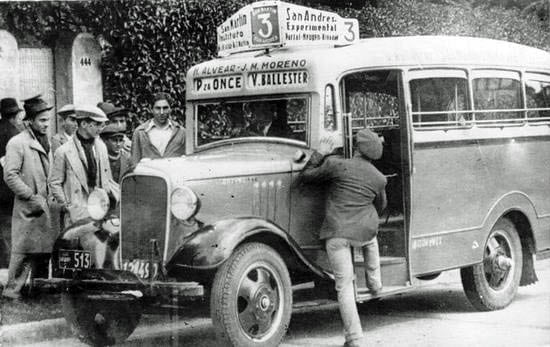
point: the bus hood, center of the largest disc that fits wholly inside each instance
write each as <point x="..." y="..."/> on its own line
<point x="218" y="165"/>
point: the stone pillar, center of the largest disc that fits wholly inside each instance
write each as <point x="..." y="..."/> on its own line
<point x="9" y="66"/>
<point x="78" y="70"/>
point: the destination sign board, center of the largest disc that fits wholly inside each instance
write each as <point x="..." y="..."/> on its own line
<point x="267" y="24"/>
<point x="218" y="84"/>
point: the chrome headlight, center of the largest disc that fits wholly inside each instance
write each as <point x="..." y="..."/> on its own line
<point x="184" y="203"/>
<point x="98" y="204"/>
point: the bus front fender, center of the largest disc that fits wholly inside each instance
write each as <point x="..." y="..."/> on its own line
<point x="209" y="247"/>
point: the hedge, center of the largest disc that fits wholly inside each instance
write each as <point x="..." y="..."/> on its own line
<point x="148" y="45"/>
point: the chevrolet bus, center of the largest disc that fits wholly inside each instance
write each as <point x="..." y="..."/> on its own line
<point x="466" y="129"/>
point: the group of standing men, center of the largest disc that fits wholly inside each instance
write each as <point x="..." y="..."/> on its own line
<point x="46" y="182"/>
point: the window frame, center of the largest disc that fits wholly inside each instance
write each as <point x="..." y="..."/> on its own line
<point x="252" y="98"/>
<point x="462" y="73"/>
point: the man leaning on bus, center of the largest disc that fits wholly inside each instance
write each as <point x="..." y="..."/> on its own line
<point x="356" y="196"/>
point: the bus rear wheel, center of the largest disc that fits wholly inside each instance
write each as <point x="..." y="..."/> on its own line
<point x="251" y="298"/>
<point x="493" y="284"/>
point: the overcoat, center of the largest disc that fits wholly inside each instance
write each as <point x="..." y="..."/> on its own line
<point x="356" y="195"/>
<point x="25" y="173"/>
<point x="58" y="140"/>
<point x="68" y="180"/>
<point x="143" y="148"/>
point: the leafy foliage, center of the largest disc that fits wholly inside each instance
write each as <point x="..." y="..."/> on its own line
<point x="148" y="45"/>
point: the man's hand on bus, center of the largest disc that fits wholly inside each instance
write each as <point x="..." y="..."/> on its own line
<point x="326" y="146"/>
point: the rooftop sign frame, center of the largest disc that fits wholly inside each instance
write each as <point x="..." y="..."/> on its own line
<point x="272" y="24"/>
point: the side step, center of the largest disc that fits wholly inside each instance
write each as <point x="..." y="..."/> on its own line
<point x="363" y="294"/>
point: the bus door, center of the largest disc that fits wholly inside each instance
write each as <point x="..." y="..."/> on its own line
<point x="374" y="99"/>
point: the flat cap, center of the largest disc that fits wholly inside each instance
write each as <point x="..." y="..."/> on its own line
<point x="369" y="144"/>
<point x="90" y="112"/>
<point x="111" y="110"/>
<point x="66" y="110"/>
<point x="113" y="130"/>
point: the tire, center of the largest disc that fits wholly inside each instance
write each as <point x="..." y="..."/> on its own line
<point x="493" y="284"/>
<point x="251" y="298"/>
<point x="100" y="320"/>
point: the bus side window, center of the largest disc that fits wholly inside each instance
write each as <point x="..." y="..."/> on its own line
<point x="537" y="88"/>
<point x="440" y="102"/>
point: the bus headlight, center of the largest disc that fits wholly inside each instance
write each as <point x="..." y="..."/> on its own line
<point x="98" y="204"/>
<point x="184" y="203"/>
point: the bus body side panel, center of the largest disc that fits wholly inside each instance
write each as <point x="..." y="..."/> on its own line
<point x="460" y="188"/>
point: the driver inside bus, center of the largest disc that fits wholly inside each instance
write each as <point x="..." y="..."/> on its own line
<point x="268" y="119"/>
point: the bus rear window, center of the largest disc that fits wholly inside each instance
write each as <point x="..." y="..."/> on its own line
<point x="502" y="94"/>
<point x="537" y="89"/>
<point x="279" y="118"/>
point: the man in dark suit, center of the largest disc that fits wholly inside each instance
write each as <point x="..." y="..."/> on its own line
<point x="355" y="198"/>
<point x="9" y="127"/>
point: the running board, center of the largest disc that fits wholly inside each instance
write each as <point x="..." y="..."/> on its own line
<point x="364" y="295"/>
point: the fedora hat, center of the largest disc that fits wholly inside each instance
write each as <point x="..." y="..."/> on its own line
<point x="90" y="112"/>
<point x="34" y="106"/>
<point x="9" y="106"/>
<point x="111" y="110"/>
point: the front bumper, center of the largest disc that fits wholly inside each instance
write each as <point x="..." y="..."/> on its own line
<point x="117" y="282"/>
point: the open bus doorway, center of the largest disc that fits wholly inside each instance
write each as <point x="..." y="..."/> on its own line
<point x="373" y="99"/>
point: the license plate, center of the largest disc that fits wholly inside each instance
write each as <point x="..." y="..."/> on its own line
<point x="141" y="268"/>
<point x="74" y="259"/>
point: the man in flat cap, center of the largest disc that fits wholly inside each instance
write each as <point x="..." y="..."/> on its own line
<point x="159" y="137"/>
<point x="25" y="172"/>
<point x="356" y="196"/>
<point x="82" y="165"/>
<point x="9" y="127"/>
<point x="68" y="126"/>
<point x="119" y="117"/>
<point x="119" y="160"/>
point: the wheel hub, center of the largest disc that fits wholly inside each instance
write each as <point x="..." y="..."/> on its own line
<point x="265" y="303"/>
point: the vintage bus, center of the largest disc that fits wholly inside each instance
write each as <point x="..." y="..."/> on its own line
<point x="466" y="129"/>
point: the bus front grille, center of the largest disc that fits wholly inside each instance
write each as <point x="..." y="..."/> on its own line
<point x="143" y="216"/>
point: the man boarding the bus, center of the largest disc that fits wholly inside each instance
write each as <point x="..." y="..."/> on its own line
<point x="355" y="198"/>
<point x="26" y="169"/>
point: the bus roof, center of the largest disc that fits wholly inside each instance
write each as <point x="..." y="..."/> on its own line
<point x="388" y="52"/>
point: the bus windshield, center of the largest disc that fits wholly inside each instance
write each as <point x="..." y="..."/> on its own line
<point x="280" y="118"/>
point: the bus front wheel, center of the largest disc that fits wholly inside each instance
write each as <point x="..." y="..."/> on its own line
<point x="251" y="298"/>
<point x="493" y="284"/>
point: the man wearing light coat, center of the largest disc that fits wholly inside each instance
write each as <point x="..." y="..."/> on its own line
<point x="26" y="168"/>
<point x="82" y="165"/>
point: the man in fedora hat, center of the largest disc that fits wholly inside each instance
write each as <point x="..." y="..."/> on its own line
<point x="68" y="126"/>
<point x="119" y="159"/>
<point x="25" y="172"/>
<point x="356" y="195"/>
<point x="119" y="117"/>
<point x="81" y="165"/>
<point x="9" y="127"/>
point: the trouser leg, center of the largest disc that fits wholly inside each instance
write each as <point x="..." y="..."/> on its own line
<point x="372" y="265"/>
<point x="19" y="270"/>
<point x="340" y="258"/>
<point x="5" y="236"/>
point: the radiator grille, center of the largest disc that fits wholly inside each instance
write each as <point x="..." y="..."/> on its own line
<point x="143" y="215"/>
